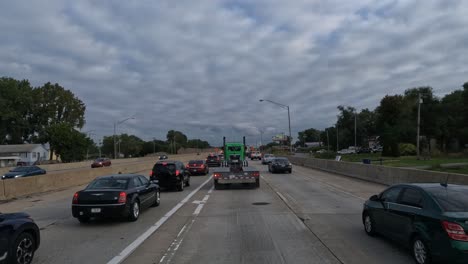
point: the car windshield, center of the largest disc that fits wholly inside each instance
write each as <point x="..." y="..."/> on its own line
<point x="99" y="160"/>
<point x="451" y="199"/>
<point x="234" y="148"/>
<point x="21" y="169"/>
<point x="109" y="183"/>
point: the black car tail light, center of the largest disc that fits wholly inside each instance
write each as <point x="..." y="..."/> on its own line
<point x="455" y="231"/>
<point x="122" y="197"/>
<point x="75" y="198"/>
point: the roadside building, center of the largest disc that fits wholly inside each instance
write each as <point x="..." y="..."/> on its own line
<point x="25" y="154"/>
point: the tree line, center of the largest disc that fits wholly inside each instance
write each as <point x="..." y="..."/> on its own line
<point x="443" y="123"/>
<point x="52" y="114"/>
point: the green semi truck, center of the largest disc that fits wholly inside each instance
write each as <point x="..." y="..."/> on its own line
<point x="235" y="168"/>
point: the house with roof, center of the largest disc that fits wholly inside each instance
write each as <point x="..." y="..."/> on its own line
<point x="26" y="154"/>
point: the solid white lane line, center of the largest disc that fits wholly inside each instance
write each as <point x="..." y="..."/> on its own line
<point x="130" y="248"/>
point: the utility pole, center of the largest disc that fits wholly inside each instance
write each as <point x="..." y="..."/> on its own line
<point x="100" y="146"/>
<point x="355" y="130"/>
<point x="419" y="124"/>
<point x="328" y="141"/>
<point x="337" y="140"/>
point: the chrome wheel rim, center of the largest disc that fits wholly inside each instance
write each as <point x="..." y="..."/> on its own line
<point x="136" y="210"/>
<point x="24" y="251"/>
<point x="419" y="251"/>
<point x="368" y="224"/>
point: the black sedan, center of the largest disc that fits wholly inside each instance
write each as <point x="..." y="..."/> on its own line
<point x="279" y="164"/>
<point x="431" y="219"/>
<point x="23" y="171"/>
<point x="19" y="238"/>
<point x="121" y="195"/>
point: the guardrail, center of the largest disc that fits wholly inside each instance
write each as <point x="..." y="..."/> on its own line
<point x="380" y="174"/>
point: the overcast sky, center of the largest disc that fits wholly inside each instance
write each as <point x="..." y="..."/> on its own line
<point x="201" y="66"/>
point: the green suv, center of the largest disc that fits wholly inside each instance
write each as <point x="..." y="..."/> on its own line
<point x="431" y="219"/>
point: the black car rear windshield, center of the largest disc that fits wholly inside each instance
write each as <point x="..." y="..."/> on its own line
<point x="196" y="162"/>
<point x="109" y="183"/>
<point x="282" y="160"/>
<point x="451" y="199"/>
<point x="164" y="167"/>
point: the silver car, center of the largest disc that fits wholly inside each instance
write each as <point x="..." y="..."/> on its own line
<point x="267" y="158"/>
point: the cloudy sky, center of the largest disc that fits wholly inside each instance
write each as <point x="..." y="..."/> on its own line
<point x="201" y="66"/>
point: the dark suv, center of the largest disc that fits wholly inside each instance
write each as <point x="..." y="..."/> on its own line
<point x="170" y="174"/>
<point x="213" y="160"/>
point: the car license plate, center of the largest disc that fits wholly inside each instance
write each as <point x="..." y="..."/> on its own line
<point x="95" y="210"/>
<point x="232" y="177"/>
<point x="194" y="169"/>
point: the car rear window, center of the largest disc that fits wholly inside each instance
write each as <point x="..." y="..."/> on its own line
<point x="164" y="167"/>
<point x="109" y="183"/>
<point x="198" y="162"/>
<point x="451" y="199"/>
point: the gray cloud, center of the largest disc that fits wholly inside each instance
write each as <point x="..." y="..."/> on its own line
<point x="201" y="66"/>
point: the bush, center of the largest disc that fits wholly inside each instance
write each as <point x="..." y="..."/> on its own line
<point x="407" y="149"/>
<point x="325" y="155"/>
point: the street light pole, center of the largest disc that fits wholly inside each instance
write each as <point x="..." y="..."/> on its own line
<point x="337" y="139"/>
<point x="289" y="119"/>
<point x="115" y="128"/>
<point x="328" y="141"/>
<point x="419" y="123"/>
<point x="355" y="131"/>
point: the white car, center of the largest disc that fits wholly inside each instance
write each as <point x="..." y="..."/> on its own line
<point x="255" y="155"/>
<point x="267" y="158"/>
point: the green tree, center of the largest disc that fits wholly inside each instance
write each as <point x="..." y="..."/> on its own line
<point x="390" y="113"/>
<point x="69" y="144"/>
<point x="56" y="105"/>
<point x="308" y="135"/>
<point x="15" y="111"/>
<point x="176" y="140"/>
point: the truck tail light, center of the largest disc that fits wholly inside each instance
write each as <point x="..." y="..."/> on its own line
<point x="75" y="198"/>
<point x="455" y="231"/>
<point x="256" y="174"/>
<point x="151" y="173"/>
<point x="177" y="172"/>
<point x="216" y="175"/>
<point x="122" y="197"/>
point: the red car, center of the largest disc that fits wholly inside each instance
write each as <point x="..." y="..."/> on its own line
<point x="101" y="162"/>
<point x="197" y="167"/>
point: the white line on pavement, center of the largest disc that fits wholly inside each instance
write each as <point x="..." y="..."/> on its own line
<point x="172" y="250"/>
<point x="135" y="244"/>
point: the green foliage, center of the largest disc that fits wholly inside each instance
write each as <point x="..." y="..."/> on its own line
<point x="69" y="144"/>
<point x="407" y="149"/>
<point x="309" y="135"/>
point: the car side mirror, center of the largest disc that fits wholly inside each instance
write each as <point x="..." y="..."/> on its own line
<point x="374" y="198"/>
<point x="153" y="181"/>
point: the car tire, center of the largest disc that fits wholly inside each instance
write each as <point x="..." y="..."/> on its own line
<point x="369" y="224"/>
<point x="158" y="199"/>
<point x="83" y="219"/>
<point x="180" y="186"/>
<point x="25" y="246"/>
<point x="420" y="251"/>
<point x="134" y="212"/>
<point x="290" y="171"/>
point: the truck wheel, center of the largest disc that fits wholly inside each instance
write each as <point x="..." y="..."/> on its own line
<point x="218" y="186"/>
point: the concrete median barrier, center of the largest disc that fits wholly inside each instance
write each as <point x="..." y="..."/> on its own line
<point x="14" y="188"/>
<point x="2" y="191"/>
<point x="380" y="174"/>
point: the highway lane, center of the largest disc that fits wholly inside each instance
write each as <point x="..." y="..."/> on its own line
<point x="310" y="217"/>
<point x="65" y="240"/>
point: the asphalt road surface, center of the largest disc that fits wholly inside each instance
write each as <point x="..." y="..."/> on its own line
<point x="304" y="217"/>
